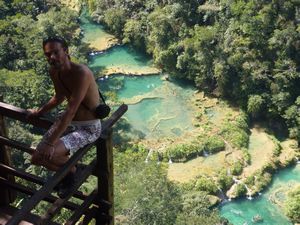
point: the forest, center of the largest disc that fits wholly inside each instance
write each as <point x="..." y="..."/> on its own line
<point x="244" y="51"/>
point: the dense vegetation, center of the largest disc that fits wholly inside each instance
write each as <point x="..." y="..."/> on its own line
<point x="292" y="205"/>
<point x="245" y="51"/>
<point x="143" y="195"/>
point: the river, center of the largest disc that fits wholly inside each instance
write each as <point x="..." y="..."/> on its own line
<point x="158" y="108"/>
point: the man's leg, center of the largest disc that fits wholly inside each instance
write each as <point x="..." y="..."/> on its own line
<point x="59" y="158"/>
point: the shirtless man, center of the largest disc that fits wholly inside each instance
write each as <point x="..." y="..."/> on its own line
<point x="75" y="83"/>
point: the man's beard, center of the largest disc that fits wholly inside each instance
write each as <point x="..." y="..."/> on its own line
<point x="54" y="64"/>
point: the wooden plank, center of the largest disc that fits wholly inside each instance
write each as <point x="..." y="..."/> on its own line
<point x="59" y="203"/>
<point x="20" y="114"/>
<point x="31" y="191"/>
<point x="6" y="196"/>
<point x="16" y="144"/>
<point x="114" y="117"/>
<point x="30" y="177"/>
<point x="7" y="212"/>
<point x="80" y="210"/>
<point x="89" y="216"/>
<point x="105" y="179"/>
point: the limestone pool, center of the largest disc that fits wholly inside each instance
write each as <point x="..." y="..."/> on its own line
<point x="160" y="108"/>
<point x="157" y="108"/>
<point x="241" y="212"/>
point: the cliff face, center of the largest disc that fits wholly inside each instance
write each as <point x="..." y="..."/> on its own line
<point x="73" y="4"/>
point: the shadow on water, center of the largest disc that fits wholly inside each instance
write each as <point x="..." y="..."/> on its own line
<point x="115" y="82"/>
<point x="183" y="83"/>
<point x="126" y="133"/>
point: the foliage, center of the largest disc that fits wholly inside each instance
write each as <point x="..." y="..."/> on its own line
<point x="115" y="20"/>
<point x="143" y="194"/>
<point x="246" y="51"/>
<point x="240" y="190"/>
<point x="195" y="210"/>
<point x="246" y="156"/>
<point x="238" y="137"/>
<point x="262" y="179"/>
<point x="237" y="168"/>
<point x="224" y="180"/>
<point x="292" y="205"/>
<point x="206" y="184"/>
<point x="214" y="144"/>
<point x="187" y="151"/>
<point x="183" y="152"/>
<point x="212" y="218"/>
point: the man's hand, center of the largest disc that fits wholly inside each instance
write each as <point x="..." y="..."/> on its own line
<point x="32" y="114"/>
<point x="45" y="150"/>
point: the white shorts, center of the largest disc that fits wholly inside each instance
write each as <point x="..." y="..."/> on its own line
<point x="79" y="134"/>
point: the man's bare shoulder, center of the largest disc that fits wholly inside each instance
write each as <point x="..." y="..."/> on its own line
<point x="81" y="69"/>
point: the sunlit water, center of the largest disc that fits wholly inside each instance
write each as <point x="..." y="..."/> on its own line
<point x="168" y="114"/>
<point x="157" y="108"/>
<point x="240" y="212"/>
<point x="162" y="109"/>
<point x="120" y="57"/>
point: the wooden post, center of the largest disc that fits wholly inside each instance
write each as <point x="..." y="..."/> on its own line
<point x="104" y="168"/>
<point x="7" y="196"/>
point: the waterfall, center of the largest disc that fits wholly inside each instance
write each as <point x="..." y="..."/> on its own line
<point x="148" y="155"/>
<point x="249" y="195"/>
<point x="222" y="195"/>
<point x="205" y="154"/>
<point x="228" y="172"/>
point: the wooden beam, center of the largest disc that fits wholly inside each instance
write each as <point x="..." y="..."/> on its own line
<point x="60" y="202"/>
<point x="31" y="191"/>
<point x="8" y="211"/>
<point x="16" y="144"/>
<point x="20" y="114"/>
<point x="114" y="117"/>
<point x="80" y="210"/>
<point x="30" y="177"/>
<point x="6" y="196"/>
<point x="89" y="216"/>
<point x="105" y="179"/>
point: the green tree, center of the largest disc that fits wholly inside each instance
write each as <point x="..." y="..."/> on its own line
<point x="143" y="193"/>
<point x="115" y="19"/>
<point x="292" y="205"/>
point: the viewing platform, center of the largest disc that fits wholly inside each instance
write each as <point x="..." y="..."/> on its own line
<point x="97" y="205"/>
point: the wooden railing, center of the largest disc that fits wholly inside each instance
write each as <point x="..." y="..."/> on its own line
<point x="97" y="205"/>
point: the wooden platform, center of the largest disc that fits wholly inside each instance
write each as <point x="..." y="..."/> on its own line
<point x="97" y="205"/>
